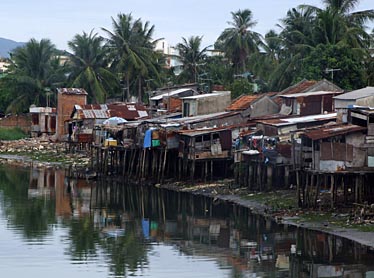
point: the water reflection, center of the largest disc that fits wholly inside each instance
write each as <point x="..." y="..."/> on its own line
<point x="123" y="230"/>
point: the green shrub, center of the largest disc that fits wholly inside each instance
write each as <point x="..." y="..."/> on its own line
<point x="12" y="133"/>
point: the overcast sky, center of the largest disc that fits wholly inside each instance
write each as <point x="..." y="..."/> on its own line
<point x="59" y="21"/>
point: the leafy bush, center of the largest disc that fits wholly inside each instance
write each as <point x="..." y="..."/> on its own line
<point x="12" y="133"/>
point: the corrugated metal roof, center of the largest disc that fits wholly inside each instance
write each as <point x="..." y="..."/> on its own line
<point x="170" y="93"/>
<point x="332" y="131"/>
<point x="306" y="94"/>
<point x="357" y="94"/>
<point x="243" y="102"/>
<point x="296" y="120"/>
<point x="196" y="132"/>
<point x="72" y="91"/>
<point x="208" y="95"/>
<point x="128" y="111"/>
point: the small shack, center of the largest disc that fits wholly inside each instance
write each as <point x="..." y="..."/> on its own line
<point x="205" y="103"/>
<point x="309" y="103"/>
<point x="43" y="120"/>
<point x="204" y="146"/>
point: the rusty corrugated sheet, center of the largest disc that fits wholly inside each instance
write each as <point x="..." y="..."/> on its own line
<point x="242" y="103"/>
<point x="331" y="131"/>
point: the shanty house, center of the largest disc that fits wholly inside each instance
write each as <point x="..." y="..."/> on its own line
<point x="333" y="147"/>
<point x="308" y="103"/>
<point x="67" y="98"/>
<point x="205" y="143"/>
<point x="313" y="104"/>
<point x="361" y="97"/>
<point x="43" y="120"/>
<point x="283" y="127"/>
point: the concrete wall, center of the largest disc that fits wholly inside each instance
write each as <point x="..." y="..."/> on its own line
<point x="264" y="106"/>
<point x="213" y="104"/>
<point x="22" y="121"/>
<point x="359" y="154"/>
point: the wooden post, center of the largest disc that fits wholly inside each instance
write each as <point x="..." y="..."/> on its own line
<point x="211" y="169"/>
<point x="298" y="188"/>
<point x="332" y="190"/>
<point x="317" y="190"/>
<point x="164" y="164"/>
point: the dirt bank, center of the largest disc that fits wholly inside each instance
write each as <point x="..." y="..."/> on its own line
<point x="281" y="207"/>
<point x="40" y="152"/>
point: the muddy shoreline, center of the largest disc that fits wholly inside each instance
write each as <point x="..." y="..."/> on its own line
<point x="224" y="193"/>
<point x="219" y="191"/>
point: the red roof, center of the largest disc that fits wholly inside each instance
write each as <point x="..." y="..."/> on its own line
<point x="242" y="103"/>
<point x="299" y="87"/>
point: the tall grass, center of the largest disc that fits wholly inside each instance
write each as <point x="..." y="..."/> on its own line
<point x="12" y="133"/>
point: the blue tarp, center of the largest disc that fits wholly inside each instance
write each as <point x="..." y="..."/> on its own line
<point x="147" y="139"/>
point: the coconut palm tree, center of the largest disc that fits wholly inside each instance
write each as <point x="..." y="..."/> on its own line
<point x="131" y="45"/>
<point x="239" y="41"/>
<point x="192" y="57"/>
<point x="337" y="23"/>
<point x="89" y="66"/>
<point x="35" y="70"/>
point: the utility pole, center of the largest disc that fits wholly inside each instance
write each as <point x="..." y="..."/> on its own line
<point x="327" y="70"/>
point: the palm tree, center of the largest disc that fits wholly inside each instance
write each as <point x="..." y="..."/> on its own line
<point x="336" y="23"/>
<point x="192" y="58"/>
<point x="90" y="66"/>
<point x="35" y="69"/>
<point x="132" y="49"/>
<point x="239" y="41"/>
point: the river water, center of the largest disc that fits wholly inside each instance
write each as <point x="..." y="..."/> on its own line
<point x="55" y="226"/>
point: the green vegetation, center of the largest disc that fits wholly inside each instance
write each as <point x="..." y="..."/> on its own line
<point x="311" y="43"/>
<point x="276" y="201"/>
<point x="12" y="133"/>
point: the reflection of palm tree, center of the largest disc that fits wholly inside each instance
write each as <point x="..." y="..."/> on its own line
<point x="126" y="253"/>
<point x="89" y="66"/>
<point x="31" y="216"/>
<point x="83" y="238"/>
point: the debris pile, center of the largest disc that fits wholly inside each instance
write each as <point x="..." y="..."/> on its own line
<point x="41" y="151"/>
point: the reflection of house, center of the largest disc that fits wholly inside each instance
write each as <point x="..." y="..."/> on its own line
<point x="205" y="103"/>
<point x="362" y="97"/>
<point x="43" y="120"/>
<point x="254" y="105"/>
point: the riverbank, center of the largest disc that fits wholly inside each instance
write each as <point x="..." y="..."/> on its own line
<point x="41" y="152"/>
<point x="278" y="205"/>
<point x="281" y="207"/>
